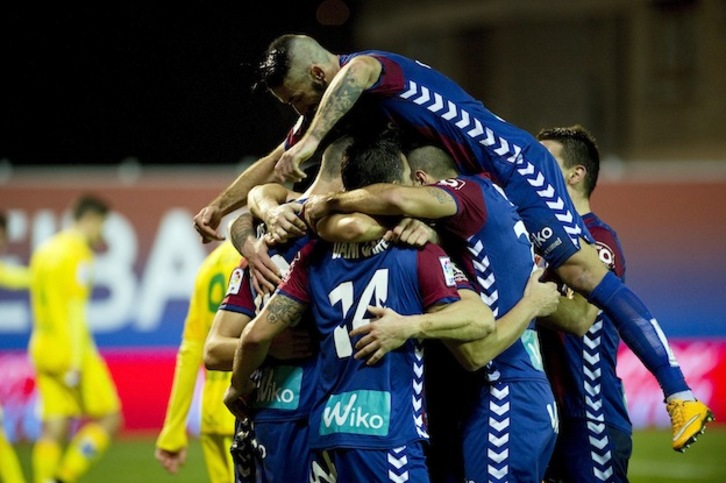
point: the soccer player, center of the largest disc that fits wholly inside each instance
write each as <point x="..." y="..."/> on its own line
<point x="510" y="422"/>
<point x="73" y="380"/>
<point x="324" y="87"/>
<point x="217" y="425"/>
<point x="12" y="277"/>
<point x="367" y="422"/>
<point x="283" y="402"/>
<point x="595" y="440"/>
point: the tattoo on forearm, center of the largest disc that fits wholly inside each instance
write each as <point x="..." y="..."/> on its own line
<point x="283" y="309"/>
<point x="439" y="195"/>
<point x="341" y="100"/>
<point x="241" y="229"/>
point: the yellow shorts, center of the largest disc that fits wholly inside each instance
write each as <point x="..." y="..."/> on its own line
<point x="95" y="395"/>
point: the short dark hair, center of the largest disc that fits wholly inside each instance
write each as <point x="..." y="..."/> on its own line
<point x="89" y="203"/>
<point x="578" y="147"/>
<point x="433" y="160"/>
<point x="275" y="64"/>
<point x="372" y="160"/>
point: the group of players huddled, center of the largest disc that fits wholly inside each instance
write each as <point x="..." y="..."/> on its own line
<point x="440" y="304"/>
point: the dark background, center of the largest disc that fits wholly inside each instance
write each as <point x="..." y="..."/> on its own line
<point x="164" y="83"/>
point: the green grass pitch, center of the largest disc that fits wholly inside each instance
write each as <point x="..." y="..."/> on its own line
<point x="131" y="460"/>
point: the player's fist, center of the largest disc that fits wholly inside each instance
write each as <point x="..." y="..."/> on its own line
<point x="206" y="223"/>
<point x="543" y="295"/>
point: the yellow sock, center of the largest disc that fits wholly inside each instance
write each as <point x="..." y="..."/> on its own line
<point x="46" y="456"/>
<point x="84" y="449"/>
<point x="10" y="471"/>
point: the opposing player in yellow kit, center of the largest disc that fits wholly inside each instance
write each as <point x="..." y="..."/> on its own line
<point x="73" y="380"/>
<point x="217" y="426"/>
<point x="13" y="277"/>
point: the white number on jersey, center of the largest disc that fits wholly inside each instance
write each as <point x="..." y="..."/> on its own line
<point x="375" y="293"/>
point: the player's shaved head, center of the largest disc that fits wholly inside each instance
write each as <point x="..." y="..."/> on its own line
<point x="432" y="160"/>
<point x="332" y="158"/>
<point x="289" y="56"/>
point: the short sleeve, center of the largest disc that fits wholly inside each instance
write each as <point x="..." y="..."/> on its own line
<point x="471" y="210"/>
<point x="295" y="284"/>
<point x="437" y="276"/>
<point x="239" y="297"/>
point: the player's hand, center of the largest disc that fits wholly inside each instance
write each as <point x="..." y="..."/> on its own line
<point x="284" y="222"/>
<point x="543" y="295"/>
<point x="171" y="460"/>
<point x="288" y="166"/>
<point x="413" y="232"/>
<point x="387" y="332"/>
<point x="315" y="208"/>
<point x="206" y="223"/>
<point x="265" y="274"/>
<point x="236" y="401"/>
<point x="292" y="343"/>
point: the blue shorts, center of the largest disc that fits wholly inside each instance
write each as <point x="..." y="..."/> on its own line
<point x="270" y="458"/>
<point x="590" y="452"/>
<point x="406" y="463"/>
<point x="510" y="432"/>
<point x="537" y="189"/>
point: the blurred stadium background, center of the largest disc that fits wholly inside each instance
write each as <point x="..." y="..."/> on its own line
<point x="151" y="108"/>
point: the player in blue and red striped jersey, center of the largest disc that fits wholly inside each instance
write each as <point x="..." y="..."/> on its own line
<point x="375" y="411"/>
<point x="580" y="343"/>
<point x="595" y="440"/>
<point x="509" y="415"/>
<point x="324" y="87"/>
<point x="364" y="271"/>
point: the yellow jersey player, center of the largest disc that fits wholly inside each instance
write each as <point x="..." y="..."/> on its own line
<point x="217" y="425"/>
<point x="73" y="380"/>
<point x="12" y="277"/>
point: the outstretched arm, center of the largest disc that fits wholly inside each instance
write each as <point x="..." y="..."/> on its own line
<point x="340" y="96"/>
<point x="234" y="196"/>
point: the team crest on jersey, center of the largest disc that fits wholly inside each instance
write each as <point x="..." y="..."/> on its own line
<point x="453" y="183"/>
<point x="606" y="255"/>
<point x="235" y="282"/>
<point x="449" y="271"/>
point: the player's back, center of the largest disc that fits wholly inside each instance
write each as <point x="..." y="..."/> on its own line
<point x="360" y="405"/>
<point x="416" y="96"/>
<point x="498" y="255"/>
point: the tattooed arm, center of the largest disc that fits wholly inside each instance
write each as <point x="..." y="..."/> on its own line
<point x="427" y="202"/>
<point x="341" y="94"/>
<point x="280" y="313"/>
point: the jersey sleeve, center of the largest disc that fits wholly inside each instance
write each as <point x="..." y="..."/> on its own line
<point x="391" y="80"/>
<point x="608" y="249"/>
<point x="471" y="210"/>
<point x="437" y="276"/>
<point x="295" y="284"/>
<point x="239" y="297"/>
